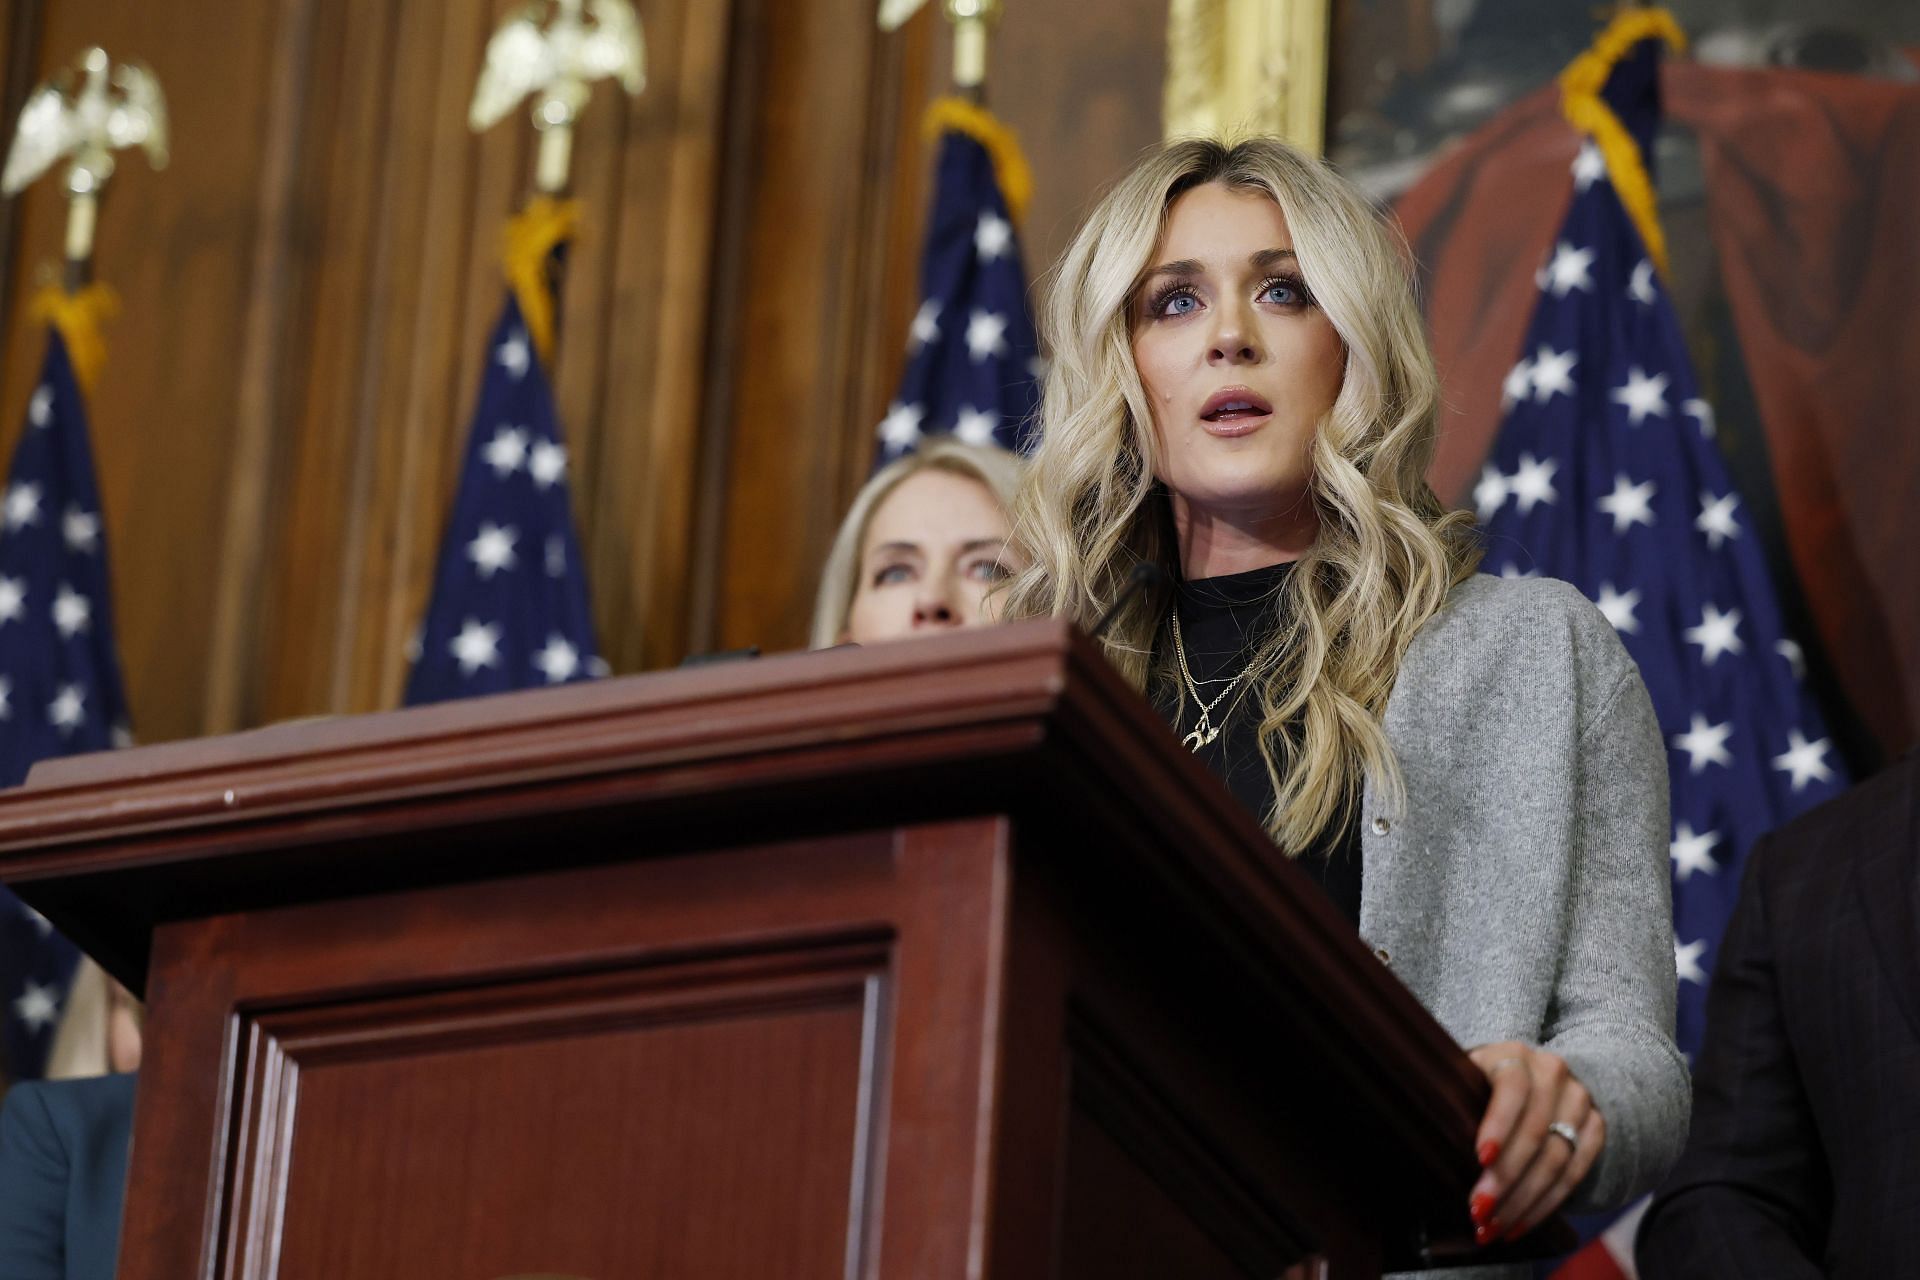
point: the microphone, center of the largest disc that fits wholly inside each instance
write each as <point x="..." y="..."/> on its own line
<point x="1146" y="576"/>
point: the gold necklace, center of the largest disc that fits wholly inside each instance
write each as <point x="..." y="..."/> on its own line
<point x="1204" y="730"/>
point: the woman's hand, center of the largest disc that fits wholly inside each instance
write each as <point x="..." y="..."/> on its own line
<point x="1538" y="1139"/>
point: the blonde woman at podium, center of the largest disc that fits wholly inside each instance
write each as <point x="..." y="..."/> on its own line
<point x="923" y="547"/>
<point x="1240" y="394"/>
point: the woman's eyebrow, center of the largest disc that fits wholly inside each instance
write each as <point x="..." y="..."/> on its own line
<point x="1194" y="267"/>
<point x="895" y="549"/>
<point x="982" y="544"/>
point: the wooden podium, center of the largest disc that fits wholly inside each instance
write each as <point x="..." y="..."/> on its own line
<point x="934" y="960"/>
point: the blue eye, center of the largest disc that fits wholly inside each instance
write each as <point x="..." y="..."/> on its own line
<point x="1285" y="292"/>
<point x="892" y="574"/>
<point x="1180" y="302"/>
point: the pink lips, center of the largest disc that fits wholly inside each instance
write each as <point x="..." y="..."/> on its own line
<point x="1234" y="411"/>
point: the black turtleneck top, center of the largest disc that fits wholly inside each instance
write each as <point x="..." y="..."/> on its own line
<point x="1222" y="623"/>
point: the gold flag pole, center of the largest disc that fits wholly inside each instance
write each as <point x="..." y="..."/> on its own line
<point x="86" y="116"/>
<point x="557" y="63"/>
<point x="972" y="20"/>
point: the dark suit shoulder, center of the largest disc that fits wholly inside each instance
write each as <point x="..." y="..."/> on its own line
<point x="1873" y="814"/>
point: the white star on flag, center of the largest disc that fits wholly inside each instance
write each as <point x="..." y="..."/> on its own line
<point x="1804" y="760"/>
<point x="40" y="407"/>
<point x="514" y="355"/>
<point x="1642" y="395"/>
<point x="926" y="325"/>
<point x="506" y="451"/>
<point x="492" y="550"/>
<point x="1796" y="658"/>
<point x="1588" y="167"/>
<point x="1491" y="493"/>
<point x="986" y="335"/>
<point x="1716" y="518"/>
<point x="1640" y="283"/>
<point x="549" y="464"/>
<point x="1618" y="608"/>
<point x="71" y="611"/>
<point x="1569" y="270"/>
<point x="992" y="236"/>
<point x="37" y="1007"/>
<point x="974" y="426"/>
<point x="1693" y="852"/>
<point x="1512" y="570"/>
<point x="1717" y="633"/>
<point x="68" y="708"/>
<point x="81" y="530"/>
<point x="1629" y="503"/>
<point x="1686" y="960"/>
<point x="477" y="646"/>
<point x="22" y="505"/>
<point x="1553" y="373"/>
<point x="13" y="599"/>
<point x="1517" y="385"/>
<point x="1705" y="744"/>
<point x="900" y="429"/>
<point x="1702" y="412"/>
<point x="1533" y="482"/>
<point x="559" y="660"/>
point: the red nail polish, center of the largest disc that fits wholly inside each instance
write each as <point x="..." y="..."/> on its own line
<point x="1489" y="1152"/>
<point x="1482" y="1207"/>
<point x="1482" y="1235"/>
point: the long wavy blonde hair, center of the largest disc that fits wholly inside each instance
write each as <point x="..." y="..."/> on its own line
<point x="1387" y="552"/>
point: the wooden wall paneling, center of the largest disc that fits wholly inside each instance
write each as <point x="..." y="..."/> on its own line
<point x="410" y="185"/>
<point x="415" y="450"/>
<point x="20" y="22"/>
<point x="336" y="255"/>
<point x="648" y="399"/>
<point x="265" y="311"/>
<point x="822" y="186"/>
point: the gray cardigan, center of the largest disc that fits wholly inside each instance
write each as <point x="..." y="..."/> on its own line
<point x="1524" y="893"/>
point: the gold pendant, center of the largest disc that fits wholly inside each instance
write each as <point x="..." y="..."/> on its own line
<point x="1200" y="737"/>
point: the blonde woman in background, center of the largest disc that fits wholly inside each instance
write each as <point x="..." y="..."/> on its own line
<point x="1240" y="393"/>
<point x="922" y="548"/>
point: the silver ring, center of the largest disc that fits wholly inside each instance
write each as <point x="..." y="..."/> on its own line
<point x="1561" y="1129"/>
<point x="1503" y="1064"/>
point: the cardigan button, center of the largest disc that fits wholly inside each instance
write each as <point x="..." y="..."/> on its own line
<point x="1381" y="826"/>
<point x="1380" y="954"/>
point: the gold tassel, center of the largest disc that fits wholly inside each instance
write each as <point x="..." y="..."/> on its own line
<point x="80" y="318"/>
<point x="530" y="239"/>
<point x="1009" y="164"/>
<point x="1587" y="111"/>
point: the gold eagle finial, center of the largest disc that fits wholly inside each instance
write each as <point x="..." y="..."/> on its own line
<point x="582" y="41"/>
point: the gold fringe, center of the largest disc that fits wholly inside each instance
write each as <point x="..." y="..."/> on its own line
<point x="81" y="319"/>
<point x="530" y="239"/>
<point x="1587" y="111"/>
<point x="980" y="124"/>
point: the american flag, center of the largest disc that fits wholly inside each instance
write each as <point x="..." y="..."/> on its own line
<point x="1606" y="474"/>
<point x="972" y="357"/>
<point x="509" y="607"/>
<point x="60" y="690"/>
